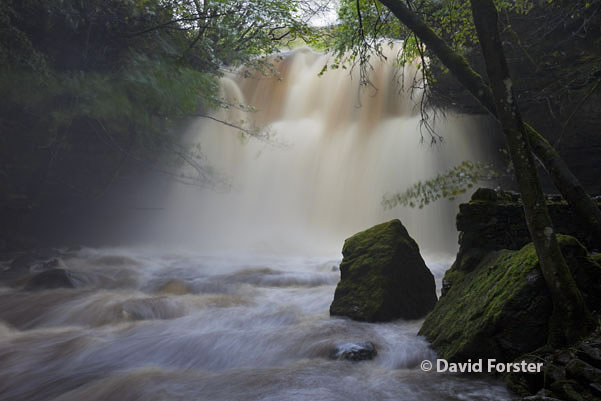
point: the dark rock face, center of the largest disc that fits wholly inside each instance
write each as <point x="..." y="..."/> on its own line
<point x="49" y="279"/>
<point x="494" y="220"/>
<point x="354" y="352"/>
<point x="500" y="307"/>
<point x="383" y="277"/>
<point x="572" y="374"/>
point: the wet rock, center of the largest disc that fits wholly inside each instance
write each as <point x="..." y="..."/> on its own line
<point x="570" y="390"/>
<point x="539" y="398"/>
<point x="583" y="372"/>
<point x="494" y="220"/>
<point x="43" y="265"/>
<point x="590" y="354"/>
<point x="486" y="194"/>
<point x="500" y="309"/>
<point x="555" y="372"/>
<point x="383" y="277"/>
<point x="49" y="279"/>
<point x="355" y="352"/>
<point x="53" y="263"/>
<point x="567" y="373"/>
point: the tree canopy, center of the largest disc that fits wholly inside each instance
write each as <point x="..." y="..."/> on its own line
<point x="129" y="70"/>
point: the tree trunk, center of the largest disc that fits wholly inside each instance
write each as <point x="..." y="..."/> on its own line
<point x="570" y="320"/>
<point x="565" y="182"/>
<point x="562" y="177"/>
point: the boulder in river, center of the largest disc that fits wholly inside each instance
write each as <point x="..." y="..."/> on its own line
<point x="383" y="277"/>
<point x="360" y="351"/>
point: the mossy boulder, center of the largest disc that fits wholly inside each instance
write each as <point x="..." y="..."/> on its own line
<point x="383" y="277"/>
<point x="500" y="308"/>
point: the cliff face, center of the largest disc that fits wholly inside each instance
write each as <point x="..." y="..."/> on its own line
<point x="554" y="55"/>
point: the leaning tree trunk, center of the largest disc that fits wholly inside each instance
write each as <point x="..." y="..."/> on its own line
<point x="562" y="177"/>
<point x="566" y="182"/>
<point x="570" y="319"/>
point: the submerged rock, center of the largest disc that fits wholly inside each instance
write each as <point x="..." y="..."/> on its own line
<point x="50" y="279"/>
<point x="383" y="277"/>
<point x="500" y="307"/>
<point x="355" y="352"/>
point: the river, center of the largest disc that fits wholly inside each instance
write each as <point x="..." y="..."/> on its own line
<point x="144" y="324"/>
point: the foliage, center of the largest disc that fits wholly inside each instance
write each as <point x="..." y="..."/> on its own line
<point x="141" y="92"/>
<point x="124" y="67"/>
<point x="365" y="26"/>
<point x="366" y="20"/>
<point x="450" y="184"/>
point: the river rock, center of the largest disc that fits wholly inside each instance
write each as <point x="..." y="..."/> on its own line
<point x="50" y="279"/>
<point x="383" y="277"/>
<point x="500" y="308"/>
<point x="361" y="351"/>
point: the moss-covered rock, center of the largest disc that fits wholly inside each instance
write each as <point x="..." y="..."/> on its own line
<point x="383" y="277"/>
<point x="500" y="308"/>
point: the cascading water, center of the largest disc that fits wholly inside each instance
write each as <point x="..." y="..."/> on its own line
<point x="251" y="322"/>
<point x="335" y="152"/>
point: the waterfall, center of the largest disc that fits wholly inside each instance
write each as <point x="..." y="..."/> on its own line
<point x="251" y="323"/>
<point x="335" y="149"/>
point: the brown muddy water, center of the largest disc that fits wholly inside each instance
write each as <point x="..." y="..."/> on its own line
<point x="148" y="325"/>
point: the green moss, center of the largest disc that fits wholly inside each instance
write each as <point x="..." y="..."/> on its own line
<point x="500" y="309"/>
<point x="464" y="320"/>
<point x="383" y="277"/>
<point x="454" y="275"/>
<point x="377" y="238"/>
